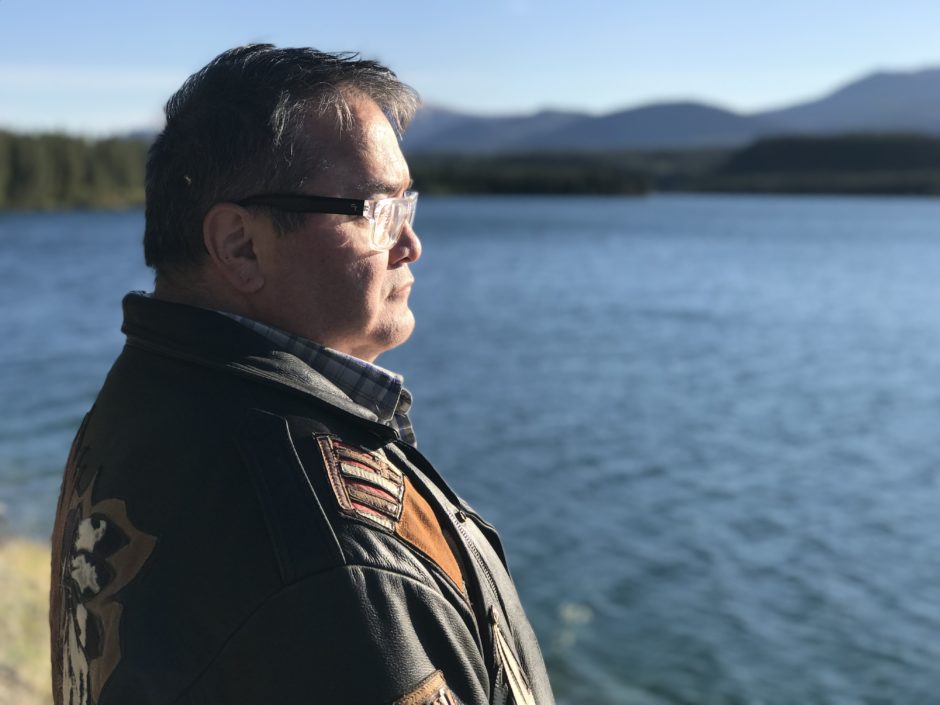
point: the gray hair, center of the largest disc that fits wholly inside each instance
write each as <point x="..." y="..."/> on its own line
<point x="236" y="128"/>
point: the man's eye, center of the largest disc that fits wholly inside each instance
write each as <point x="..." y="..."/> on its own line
<point x="383" y="218"/>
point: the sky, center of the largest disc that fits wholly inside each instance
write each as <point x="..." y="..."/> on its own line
<point x="101" y="66"/>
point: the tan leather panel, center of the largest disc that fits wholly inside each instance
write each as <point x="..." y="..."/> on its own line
<point x="419" y="527"/>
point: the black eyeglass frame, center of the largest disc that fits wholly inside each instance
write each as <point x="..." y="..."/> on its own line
<point x="369" y="209"/>
<point x="303" y="203"/>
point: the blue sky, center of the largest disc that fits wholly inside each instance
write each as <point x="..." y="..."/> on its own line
<point x="100" y="65"/>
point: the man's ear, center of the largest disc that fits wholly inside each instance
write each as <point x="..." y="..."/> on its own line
<point x="227" y="231"/>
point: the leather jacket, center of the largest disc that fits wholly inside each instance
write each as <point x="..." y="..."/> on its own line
<point x="233" y="529"/>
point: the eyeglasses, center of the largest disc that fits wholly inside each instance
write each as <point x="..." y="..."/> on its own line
<point x="387" y="215"/>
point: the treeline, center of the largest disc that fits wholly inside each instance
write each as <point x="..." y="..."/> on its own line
<point x="58" y="171"/>
<point x="537" y="173"/>
<point x="852" y="164"/>
<point x="862" y="164"/>
<point x="836" y="153"/>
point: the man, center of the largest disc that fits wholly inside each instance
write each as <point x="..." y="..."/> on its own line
<point x="244" y="517"/>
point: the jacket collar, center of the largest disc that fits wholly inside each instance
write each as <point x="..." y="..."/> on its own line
<point x="211" y="339"/>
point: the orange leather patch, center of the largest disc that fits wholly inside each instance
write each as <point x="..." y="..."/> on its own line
<point x="419" y="527"/>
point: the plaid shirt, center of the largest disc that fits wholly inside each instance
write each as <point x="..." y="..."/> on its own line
<point x="368" y="385"/>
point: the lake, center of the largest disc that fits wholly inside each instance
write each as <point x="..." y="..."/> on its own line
<point x="706" y="426"/>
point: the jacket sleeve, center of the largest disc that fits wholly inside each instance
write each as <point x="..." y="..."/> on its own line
<point x="352" y="635"/>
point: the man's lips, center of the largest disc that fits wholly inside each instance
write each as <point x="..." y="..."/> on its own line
<point x="404" y="289"/>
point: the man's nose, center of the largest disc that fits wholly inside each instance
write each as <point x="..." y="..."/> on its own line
<point x="408" y="246"/>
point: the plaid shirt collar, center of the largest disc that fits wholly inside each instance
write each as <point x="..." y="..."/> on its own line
<point x="373" y="387"/>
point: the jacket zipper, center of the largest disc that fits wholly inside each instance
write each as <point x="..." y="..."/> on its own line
<point x="456" y="522"/>
<point x="462" y="591"/>
<point x="515" y="676"/>
<point x="505" y="658"/>
<point x="479" y="559"/>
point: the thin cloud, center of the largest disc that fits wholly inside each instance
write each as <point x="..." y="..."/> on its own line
<point x="30" y="77"/>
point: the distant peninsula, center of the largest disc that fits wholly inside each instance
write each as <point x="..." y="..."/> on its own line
<point x="847" y="164"/>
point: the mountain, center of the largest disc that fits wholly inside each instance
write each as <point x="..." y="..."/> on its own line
<point x="436" y="126"/>
<point x="661" y="125"/>
<point x="881" y="102"/>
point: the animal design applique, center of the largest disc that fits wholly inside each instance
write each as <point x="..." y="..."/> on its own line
<point x="99" y="552"/>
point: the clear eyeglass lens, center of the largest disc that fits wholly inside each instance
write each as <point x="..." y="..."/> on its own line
<point x="390" y="217"/>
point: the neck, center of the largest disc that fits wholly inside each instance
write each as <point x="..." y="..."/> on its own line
<point x="193" y="292"/>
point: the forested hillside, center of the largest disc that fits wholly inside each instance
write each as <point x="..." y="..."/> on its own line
<point x="58" y="171"/>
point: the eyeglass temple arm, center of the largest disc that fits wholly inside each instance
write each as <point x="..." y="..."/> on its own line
<point x="308" y="204"/>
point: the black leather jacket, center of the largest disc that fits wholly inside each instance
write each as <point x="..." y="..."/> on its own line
<point x="234" y="529"/>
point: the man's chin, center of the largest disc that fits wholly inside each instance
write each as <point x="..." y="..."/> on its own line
<point x="394" y="335"/>
<point x="404" y="329"/>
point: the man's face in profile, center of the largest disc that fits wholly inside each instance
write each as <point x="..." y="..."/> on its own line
<point x="324" y="281"/>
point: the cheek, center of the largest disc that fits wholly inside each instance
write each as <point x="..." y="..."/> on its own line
<point x="356" y="290"/>
<point x="369" y="275"/>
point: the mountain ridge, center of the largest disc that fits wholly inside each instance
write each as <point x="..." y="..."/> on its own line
<point x="882" y="101"/>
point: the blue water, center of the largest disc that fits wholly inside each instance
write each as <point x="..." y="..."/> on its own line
<point x="707" y="427"/>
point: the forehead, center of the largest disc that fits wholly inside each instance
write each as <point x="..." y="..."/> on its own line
<point x="361" y="158"/>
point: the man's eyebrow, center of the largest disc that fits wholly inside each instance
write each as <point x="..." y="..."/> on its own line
<point x="374" y="188"/>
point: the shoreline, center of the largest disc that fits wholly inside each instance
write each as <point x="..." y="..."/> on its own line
<point x="24" y="632"/>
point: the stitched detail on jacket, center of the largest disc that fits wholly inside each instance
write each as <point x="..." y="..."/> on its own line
<point x="365" y="484"/>
<point x="432" y="690"/>
<point x="368" y="486"/>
